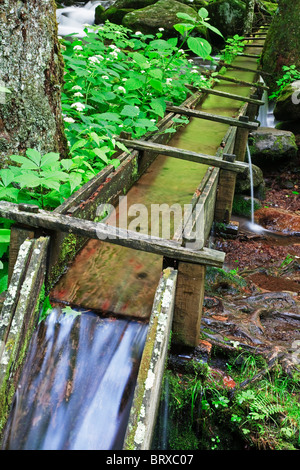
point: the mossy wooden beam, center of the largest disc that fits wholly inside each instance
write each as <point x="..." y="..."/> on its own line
<point x="115" y="235"/>
<point x="251" y="56"/>
<point x="212" y="117"/>
<point x="20" y="314"/>
<point x="235" y="80"/>
<point x="246" y="99"/>
<point x="143" y="413"/>
<point x="186" y="155"/>
<point x="245" y="69"/>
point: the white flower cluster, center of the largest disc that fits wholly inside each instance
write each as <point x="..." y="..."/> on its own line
<point x="78" y="106"/>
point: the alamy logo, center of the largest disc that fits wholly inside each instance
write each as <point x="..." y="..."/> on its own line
<point x="152" y="222"/>
<point x="296" y="94"/>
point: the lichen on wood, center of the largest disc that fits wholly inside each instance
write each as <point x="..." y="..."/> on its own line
<point x="31" y="67"/>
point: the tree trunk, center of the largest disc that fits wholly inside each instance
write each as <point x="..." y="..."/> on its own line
<point x="249" y="16"/>
<point x="31" y="67"/>
<point x="283" y="41"/>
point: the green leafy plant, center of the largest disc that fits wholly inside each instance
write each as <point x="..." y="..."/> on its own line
<point x="40" y="179"/>
<point x="233" y="46"/>
<point x="289" y="74"/>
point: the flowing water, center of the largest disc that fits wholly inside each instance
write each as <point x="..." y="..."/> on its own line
<point x="74" y="19"/>
<point x="77" y="384"/>
<point x="76" y="387"/>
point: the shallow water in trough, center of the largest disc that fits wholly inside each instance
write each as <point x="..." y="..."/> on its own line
<point x="93" y="407"/>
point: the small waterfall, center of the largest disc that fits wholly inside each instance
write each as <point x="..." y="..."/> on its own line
<point x="251" y="183"/>
<point x="73" y="19"/>
<point x="77" y="384"/>
<point x="265" y="114"/>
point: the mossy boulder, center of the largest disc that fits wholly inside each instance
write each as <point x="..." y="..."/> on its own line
<point x="119" y="9"/>
<point x="161" y="14"/>
<point x="268" y="145"/>
<point x="287" y="107"/>
<point x="228" y="16"/>
<point x="282" y="44"/>
<point x="243" y="182"/>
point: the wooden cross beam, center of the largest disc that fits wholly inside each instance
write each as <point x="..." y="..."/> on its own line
<point x="232" y="96"/>
<point x="253" y="56"/>
<point x="210" y="160"/>
<point x="233" y="80"/>
<point x="39" y="218"/>
<point x="212" y="117"/>
<point x="230" y="66"/>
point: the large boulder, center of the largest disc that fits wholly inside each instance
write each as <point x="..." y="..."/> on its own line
<point x="228" y="16"/>
<point x="268" y="145"/>
<point x="116" y="12"/>
<point x="287" y="107"/>
<point x="283" y="42"/>
<point x="161" y="14"/>
<point x="243" y="182"/>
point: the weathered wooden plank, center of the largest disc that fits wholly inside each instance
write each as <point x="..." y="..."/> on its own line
<point x="246" y="69"/>
<point x="186" y="155"/>
<point x="212" y="117"/>
<point x="12" y="294"/>
<point x="27" y="293"/>
<point x="147" y="392"/>
<point x="111" y="234"/>
<point x="188" y="304"/>
<point x="224" y="94"/>
<point x="17" y="236"/>
<point x="252" y="56"/>
<point x="235" y="80"/>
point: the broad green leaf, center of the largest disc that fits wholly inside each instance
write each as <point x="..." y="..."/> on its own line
<point x="140" y="60"/>
<point x="183" y="28"/>
<point x="3" y="283"/>
<point x="79" y="144"/>
<point x="66" y="163"/>
<point x="133" y="84"/>
<point x="212" y="28"/>
<point x="101" y="154"/>
<point x="156" y="84"/>
<point x="114" y="117"/>
<point x="158" y="106"/>
<point x="4" y="235"/>
<point x="7" y="176"/>
<point x="75" y="181"/>
<point x="203" y="13"/>
<point x="160" y="45"/>
<point x="199" y="46"/>
<point x="49" y="159"/>
<point x="25" y="162"/>
<point x="34" y="155"/>
<point x="156" y="73"/>
<point x="28" y="180"/>
<point x="185" y="16"/>
<point x="130" y="111"/>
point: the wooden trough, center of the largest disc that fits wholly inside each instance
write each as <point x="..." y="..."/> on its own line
<point x="44" y="243"/>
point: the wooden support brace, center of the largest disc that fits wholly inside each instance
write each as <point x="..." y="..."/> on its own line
<point x="225" y="195"/>
<point x="17" y="236"/>
<point x="246" y="69"/>
<point x="212" y="117"/>
<point x="252" y="56"/>
<point x="111" y="234"/>
<point x="184" y="155"/>
<point x="188" y="304"/>
<point x="235" y="80"/>
<point x="246" y="99"/>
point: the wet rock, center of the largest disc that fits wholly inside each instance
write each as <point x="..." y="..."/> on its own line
<point x="269" y="145"/>
<point x="243" y="182"/>
<point x="162" y="13"/>
<point x="278" y="220"/>
<point x="287" y="107"/>
<point x="116" y="12"/>
<point x="228" y="16"/>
